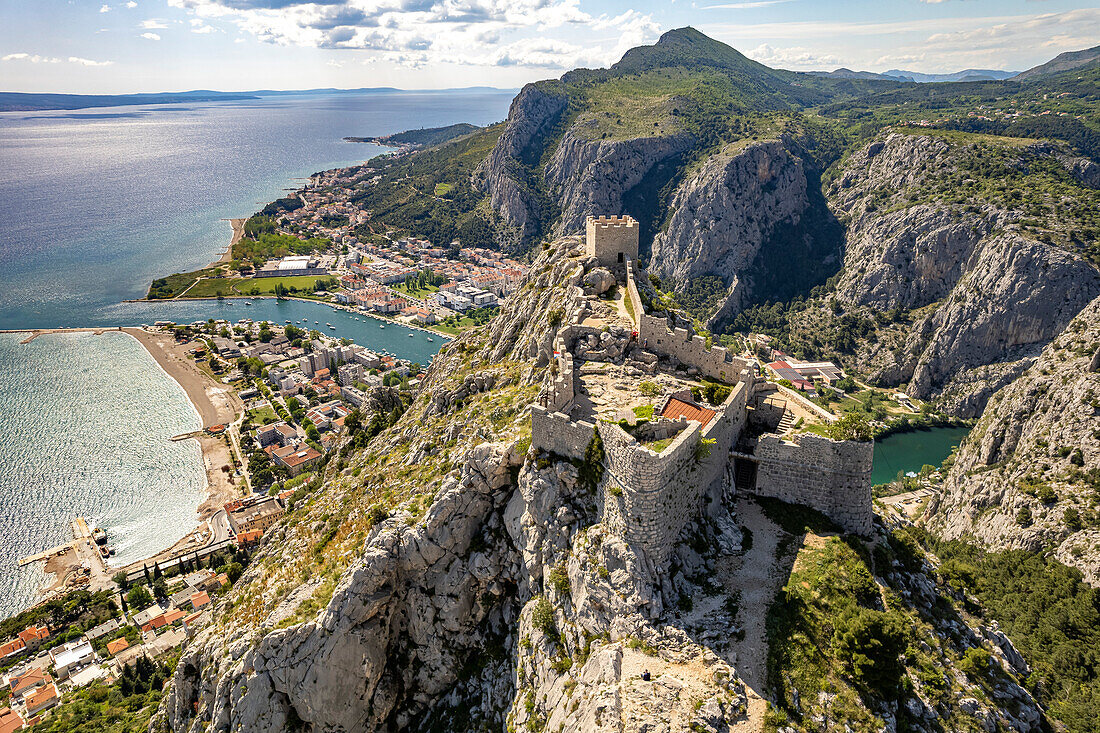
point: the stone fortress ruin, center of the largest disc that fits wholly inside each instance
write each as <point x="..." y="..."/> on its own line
<point x="680" y="420"/>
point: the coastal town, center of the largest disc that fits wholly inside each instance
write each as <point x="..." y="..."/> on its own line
<point x="319" y="244"/>
<point x="273" y="399"/>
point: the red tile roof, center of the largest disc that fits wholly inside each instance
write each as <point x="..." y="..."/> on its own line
<point x="676" y="408"/>
<point x="119" y="644"/>
<point x="9" y="721"/>
<point x="41" y="698"/>
<point x="200" y="599"/>
<point x="31" y="678"/>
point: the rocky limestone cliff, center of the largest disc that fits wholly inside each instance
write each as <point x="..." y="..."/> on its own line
<point x="1027" y="475"/>
<point x="983" y="298"/>
<point x="724" y="216"/>
<point x="591" y="177"/>
<point x="504" y="172"/>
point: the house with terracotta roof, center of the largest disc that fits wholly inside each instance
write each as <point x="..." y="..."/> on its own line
<point x="296" y="458"/>
<point x="32" y="636"/>
<point x="118" y="645"/>
<point x="42" y="699"/>
<point x="9" y="720"/>
<point x="11" y="648"/>
<point x="200" y="600"/>
<point x="247" y="539"/>
<point x="30" y="680"/>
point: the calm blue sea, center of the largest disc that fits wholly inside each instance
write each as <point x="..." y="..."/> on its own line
<point x="93" y="205"/>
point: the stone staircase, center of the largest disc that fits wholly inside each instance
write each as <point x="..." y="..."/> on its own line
<point x="786" y="422"/>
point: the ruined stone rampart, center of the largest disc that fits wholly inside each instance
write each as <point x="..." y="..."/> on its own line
<point x="648" y="497"/>
<point x="689" y="349"/>
<point x="831" y="476"/>
<point x="556" y="433"/>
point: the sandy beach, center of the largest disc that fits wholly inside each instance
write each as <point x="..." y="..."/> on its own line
<point x="238" y="233"/>
<point x="217" y="404"/>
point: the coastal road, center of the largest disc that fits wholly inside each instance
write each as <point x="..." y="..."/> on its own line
<point x="219" y="525"/>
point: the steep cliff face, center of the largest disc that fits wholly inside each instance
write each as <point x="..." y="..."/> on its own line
<point x="505" y="174"/>
<point x="591" y="177"/>
<point x="1026" y="476"/>
<point x="982" y="295"/>
<point x="726" y="217"/>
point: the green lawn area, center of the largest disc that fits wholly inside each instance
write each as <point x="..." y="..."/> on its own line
<point x="230" y="287"/>
<point x="442" y="189"/>
<point x="262" y="416"/>
<point x="423" y="292"/>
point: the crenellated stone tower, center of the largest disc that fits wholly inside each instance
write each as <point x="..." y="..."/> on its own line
<point x="611" y="239"/>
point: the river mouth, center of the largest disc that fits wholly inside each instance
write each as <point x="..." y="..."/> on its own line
<point x="909" y="451"/>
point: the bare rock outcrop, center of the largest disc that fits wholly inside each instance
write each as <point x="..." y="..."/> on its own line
<point x="1025" y="476"/>
<point x="983" y="296"/>
<point x="590" y="177"/>
<point x="533" y="114"/>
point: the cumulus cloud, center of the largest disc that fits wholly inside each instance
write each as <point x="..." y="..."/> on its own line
<point x="535" y="33"/>
<point x="744" y="5"/>
<point x="35" y="58"/>
<point x="131" y="4"/>
<point x="795" y="57"/>
<point x="153" y="24"/>
<point x="151" y="36"/>
<point x="104" y="8"/>
<point x="31" y="58"/>
<point x="88" y="62"/>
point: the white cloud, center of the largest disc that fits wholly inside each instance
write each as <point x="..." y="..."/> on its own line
<point x="744" y="5"/>
<point x="151" y="36"/>
<point x="88" y="62"/>
<point x="104" y="8"/>
<point x="795" y="57"/>
<point x="337" y="64"/>
<point x="131" y="4"/>
<point x="153" y="24"/>
<point x="535" y="33"/>
<point x="31" y="58"/>
<point x="34" y="58"/>
<point x="936" y="44"/>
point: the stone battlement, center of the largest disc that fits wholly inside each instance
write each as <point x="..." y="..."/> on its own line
<point x="611" y="239"/>
<point x="647" y="496"/>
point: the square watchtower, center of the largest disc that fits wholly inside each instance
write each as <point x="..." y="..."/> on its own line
<point x="611" y="239"/>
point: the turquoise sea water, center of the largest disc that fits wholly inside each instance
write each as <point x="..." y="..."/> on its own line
<point x="86" y="426"/>
<point x="97" y="203"/>
<point x="910" y="451"/>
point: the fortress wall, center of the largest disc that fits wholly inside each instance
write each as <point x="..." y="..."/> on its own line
<point x="714" y="362"/>
<point x="831" y="476"/>
<point x="554" y="432"/>
<point x="657" y="493"/>
<point x="634" y="295"/>
<point x="661" y="492"/>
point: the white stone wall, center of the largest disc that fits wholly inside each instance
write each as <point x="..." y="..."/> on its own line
<point x="831" y="476"/>
<point x="554" y="432"/>
<point x="608" y="237"/>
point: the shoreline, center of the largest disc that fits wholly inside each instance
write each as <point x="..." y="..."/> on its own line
<point x="333" y="306"/>
<point x="238" y="234"/>
<point x="214" y="404"/>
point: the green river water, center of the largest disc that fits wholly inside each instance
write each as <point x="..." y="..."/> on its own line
<point x="909" y="451"/>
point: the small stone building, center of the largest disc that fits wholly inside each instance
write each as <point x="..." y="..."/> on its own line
<point x="612" y="239"/>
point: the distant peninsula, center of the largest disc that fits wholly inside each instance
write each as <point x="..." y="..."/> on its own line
<point x="423" y="137"/>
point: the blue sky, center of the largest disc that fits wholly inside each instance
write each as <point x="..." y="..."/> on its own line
<point x="168" y="45"/>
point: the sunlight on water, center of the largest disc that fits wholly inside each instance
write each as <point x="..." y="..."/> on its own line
<point x="86" y="426"/>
